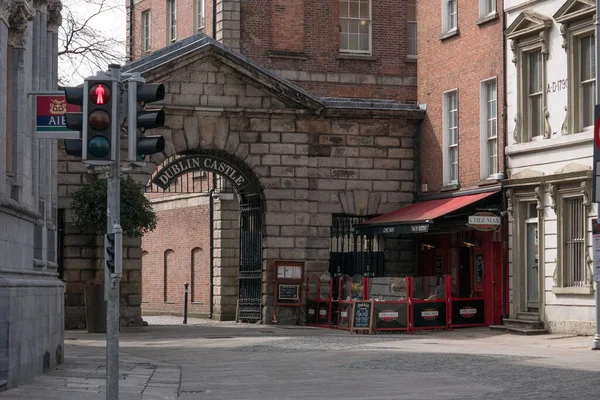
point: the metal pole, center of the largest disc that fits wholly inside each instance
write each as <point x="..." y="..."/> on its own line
<point x="185" y="301"/>
<point x="114" y="217"/>
<point x="597" y="335"/>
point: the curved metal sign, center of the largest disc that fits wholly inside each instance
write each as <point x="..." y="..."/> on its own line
<point x="200" y="162"/>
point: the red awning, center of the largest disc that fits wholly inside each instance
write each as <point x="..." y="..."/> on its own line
<point x="423" y="212"/>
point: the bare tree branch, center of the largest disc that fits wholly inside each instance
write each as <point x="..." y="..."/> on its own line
<point x="84" y="49"/>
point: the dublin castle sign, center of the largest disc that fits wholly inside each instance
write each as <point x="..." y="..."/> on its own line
<point x="200" y="162"/>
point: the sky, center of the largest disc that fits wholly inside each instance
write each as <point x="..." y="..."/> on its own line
<point x="111" y="23"/>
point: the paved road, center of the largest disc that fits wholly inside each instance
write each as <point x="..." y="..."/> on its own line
<point x="241" y="362"/>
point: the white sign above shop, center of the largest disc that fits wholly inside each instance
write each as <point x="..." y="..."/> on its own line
<point x="484" y="221"/>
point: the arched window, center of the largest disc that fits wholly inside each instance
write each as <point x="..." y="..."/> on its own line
<point x="168" y="262"/>
<point x="195" y="263"/>
<point x="145" y="277"/>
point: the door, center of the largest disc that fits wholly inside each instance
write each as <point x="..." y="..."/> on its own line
<point x="532" y="272"/>
<point x="465" y="273"/>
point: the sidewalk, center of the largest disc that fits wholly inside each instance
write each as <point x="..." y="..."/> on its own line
<point x="83" y="377"/>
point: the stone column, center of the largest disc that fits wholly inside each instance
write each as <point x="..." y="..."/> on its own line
<point x="4" y="15"/>
<point x="226" y="258"/>
<point x="228" y="23"/>
<point x="18" y="21"/>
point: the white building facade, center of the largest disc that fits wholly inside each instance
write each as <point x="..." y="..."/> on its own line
<point x="550" y="70"/>
<point x="31" y="295"/>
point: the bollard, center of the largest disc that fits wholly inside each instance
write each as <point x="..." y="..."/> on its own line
<point x="185" y="298"/>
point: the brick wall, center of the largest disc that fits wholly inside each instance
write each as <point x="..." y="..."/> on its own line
<point x="440" y="69"/>
<point x="302" y="36"/>
<point x="180" y="244"/>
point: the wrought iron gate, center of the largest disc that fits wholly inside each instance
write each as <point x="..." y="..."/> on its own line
<point x="250" y="274"/>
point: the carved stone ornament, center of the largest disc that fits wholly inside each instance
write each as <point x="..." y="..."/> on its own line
<point x="54" y="15"/>
<point x="563" y="32"/>
<point x="555" y="275"/>
<point x="517" y="132"/>
<point x="18" y="19"/>
<point x="586" y="192"/>
<point x="544" y="43"/>
<point x="509" y="202"/>
<point x="539" y="196"/>
<point x="39" y="4"/>
<point x="552" y="192"/>
<point x="547" y="128"/>
<point x="4" y="10"/>
<point x="564" y="129"/>
<point x="589" y="275"/>
<point x="513" y="47"/>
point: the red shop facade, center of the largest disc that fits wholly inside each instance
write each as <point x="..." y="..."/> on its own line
<point x="460" y="250"/>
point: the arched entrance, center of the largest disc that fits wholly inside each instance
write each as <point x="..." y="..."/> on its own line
<point x="223" y="174"/>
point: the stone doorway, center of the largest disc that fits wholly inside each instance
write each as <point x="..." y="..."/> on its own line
<point x="209" y="235"/>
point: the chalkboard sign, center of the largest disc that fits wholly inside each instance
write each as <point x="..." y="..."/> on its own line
<point x="479" y="268"/>
<point x="438" y="266"/>
<point x="362" y="312"/>
<point x="289" y="292"/>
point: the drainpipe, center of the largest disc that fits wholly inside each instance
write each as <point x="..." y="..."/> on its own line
<point x="211" y="236"/>
<point x="214" y="20"/>
<point x="131" y="4"/>
<point x="505" y="283"/>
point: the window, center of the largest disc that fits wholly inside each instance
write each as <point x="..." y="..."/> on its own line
<point x="489" y="129"/>
<point x="195" y="267"/>
<point x="172" y="20"/>
<point x="486" y="8"/>
<point x="577" y="29"/>
<point x="412" y="27"/>
<point x="535" y="94"/>
<point x="355" y="26"/>
<point x="574" y="268"/>
<point x="451" y="137"/>
<point x="587" y="80"/>
<point x="529" y="44"/>
<point x="167" y="263"/>
<point x="449" y="16"/>
<point x="146" y="31"/>
<point x="200" y="15"/>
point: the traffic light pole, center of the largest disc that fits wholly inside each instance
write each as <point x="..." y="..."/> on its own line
<point x="596" y="345"/>
<point x="114" y="281"/>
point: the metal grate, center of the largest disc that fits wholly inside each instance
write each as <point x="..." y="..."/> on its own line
<point x="250" y="274"/>
<point x="574" y="243"/>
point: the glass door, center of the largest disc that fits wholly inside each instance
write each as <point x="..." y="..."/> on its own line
<point x="531" y="257"/>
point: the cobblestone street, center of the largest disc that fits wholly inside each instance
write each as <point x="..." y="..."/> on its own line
<point x="226" y="361"/>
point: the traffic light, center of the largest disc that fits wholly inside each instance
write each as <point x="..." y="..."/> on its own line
<point x="100" y="132"/>
<point x="139" y="94"/>
<point x="74" y="120"/>
<point x="109" y="255"/>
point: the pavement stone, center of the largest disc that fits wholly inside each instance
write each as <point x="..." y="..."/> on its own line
<point x="228" y="361"/>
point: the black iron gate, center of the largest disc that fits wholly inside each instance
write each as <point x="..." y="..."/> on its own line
<point x="250" y="274"/>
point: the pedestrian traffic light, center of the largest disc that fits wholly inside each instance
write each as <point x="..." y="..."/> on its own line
<point x="139" y="94"/>
<point x="100" y="132"/>
<point x="109" y="255"/>
<point x="74" y="120"/>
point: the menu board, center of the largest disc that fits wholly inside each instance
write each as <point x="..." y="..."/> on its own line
<point x="362" y="315"/>
<point x="479" y="268"/>
<point x="289" y="292"/>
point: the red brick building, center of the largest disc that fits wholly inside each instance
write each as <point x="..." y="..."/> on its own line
<point x="461" y="159"/>
<point x="348" y="48"/>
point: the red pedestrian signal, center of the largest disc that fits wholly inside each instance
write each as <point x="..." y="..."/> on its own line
<point x="100" y="94"/>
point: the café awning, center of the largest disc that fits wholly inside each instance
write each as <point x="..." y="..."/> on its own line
<point x="417" y="217"/>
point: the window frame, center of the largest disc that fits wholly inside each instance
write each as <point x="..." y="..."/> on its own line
<point x="368" y="52"/>
<point x="171" y="21"/>
<point x="560" y="195"/>
<point x="485" y="159"/>
<point x="447" y="173"/>
<point x="146" y="31"/>
<point x="483" y="8"/>
<point x="409" y="24"/>
<point x="199" y="23"/>
<point x="447" y="16"/>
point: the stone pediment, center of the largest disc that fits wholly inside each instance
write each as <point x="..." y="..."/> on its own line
<point x="176" y="58"/>
<point x="573" y="167"/>
<point x="575" y="9"/>
<point x="528" y="23"/>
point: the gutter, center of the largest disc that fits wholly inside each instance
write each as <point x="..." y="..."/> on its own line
<point x="214" y="19"/>
<point x="505" y="283"/>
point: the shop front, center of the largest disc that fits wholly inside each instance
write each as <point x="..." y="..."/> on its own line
<point x="459" y="255"/>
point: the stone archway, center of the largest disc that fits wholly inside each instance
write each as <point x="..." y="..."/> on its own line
<point x="248" y="270"/>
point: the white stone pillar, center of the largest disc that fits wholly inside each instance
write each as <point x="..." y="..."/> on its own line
<point x="4" y="14"/>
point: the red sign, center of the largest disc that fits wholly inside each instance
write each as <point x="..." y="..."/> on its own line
<point x="468" y="312"/>
<point x="597" y="133"/>
<point x="430" y="314"/>
<point x="50" y="117"/>
<point x="388" y="315"/>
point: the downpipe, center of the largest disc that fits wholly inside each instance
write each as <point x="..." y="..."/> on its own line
<point x="505" y="283"/>
<point x="211" y="211"/>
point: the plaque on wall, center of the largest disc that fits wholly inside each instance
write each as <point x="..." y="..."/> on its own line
<point x="289" y="292"/>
